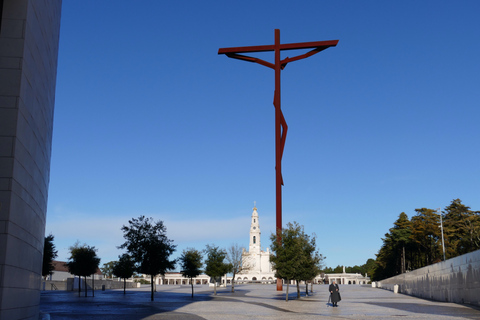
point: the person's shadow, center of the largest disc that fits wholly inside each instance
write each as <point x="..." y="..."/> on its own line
<point x="329" y="304"/>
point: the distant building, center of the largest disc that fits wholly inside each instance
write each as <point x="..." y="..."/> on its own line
<point x="256" y="261"/>
<point x="176" y="278"/>
<point x="346" y="278"/>
<point x="258" y="267"/>
<point x="61" y="273"/>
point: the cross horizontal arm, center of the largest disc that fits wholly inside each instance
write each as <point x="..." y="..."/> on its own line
<point x="286" y="46"/>
<point x="309" y="45"/>
<point x="246" y="49"/>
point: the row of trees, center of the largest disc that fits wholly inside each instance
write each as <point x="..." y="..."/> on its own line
<point x="83" y="260"/>
<point x="417" y="242"/>
<point x="148" y="250"/>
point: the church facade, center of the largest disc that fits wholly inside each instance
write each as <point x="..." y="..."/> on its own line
<point x="255" y="261"/>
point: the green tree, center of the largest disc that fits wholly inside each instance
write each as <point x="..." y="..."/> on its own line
<point x="83" y="262"/>
<point x="287" y="254"/>
<point x="327" y="270"/>
<point x="354" y="269"/>
<point x="236" y="260"/>
<point x="49" y="254"/>
<point x="385" y="259"/>
<point x="401" y="235"/>
<point x="427" y="237"/>
<point x="191" y="264"/>
<point x="461" y="229"/>
<point x="215" y="265"/>
<point x="369" y="267"/>
<point x="408" y="245"/>
<point x="312" y="263"/>
<point x="338" y="269"/>
<point x="147" y="243"/>
<point x="124" y="268"/>
<point x="107" y="269"/>
<point x="392" y="256"/>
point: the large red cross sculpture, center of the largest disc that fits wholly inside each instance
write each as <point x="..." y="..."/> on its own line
<point x="280" y="123"/>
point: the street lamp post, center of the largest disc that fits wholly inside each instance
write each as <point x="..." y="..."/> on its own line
<point x="439" y="212"/>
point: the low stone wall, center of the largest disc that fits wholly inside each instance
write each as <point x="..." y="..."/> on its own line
<point x="54" y="285"/>
<point x="71" y="285"/>
<point x="454" y="280"/>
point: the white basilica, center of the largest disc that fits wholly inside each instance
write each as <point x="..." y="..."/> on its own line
<point x="256" y="262"/>
<point x="257" y="267"/>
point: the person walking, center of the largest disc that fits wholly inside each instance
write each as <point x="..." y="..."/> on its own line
<point x="334" y="293"/>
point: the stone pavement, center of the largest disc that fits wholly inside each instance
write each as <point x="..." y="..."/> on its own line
<point x="248" y="302"/>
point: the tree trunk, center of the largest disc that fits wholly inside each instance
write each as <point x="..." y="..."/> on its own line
<point x="306" y="288"/>
<point x="214" y="286"/>
<point x="311" y="287"/>
<point x="124" y="284"/>
<point x="151" y="283"/>
<point x="288" y="282"/>
<point x="233" y="282"/>
<point x="85" y="277"/>
<point x="191" y="282"/>
<point x="93" y="285"/>
<point x="298" y="289"/>
<point x="79" y="285"/>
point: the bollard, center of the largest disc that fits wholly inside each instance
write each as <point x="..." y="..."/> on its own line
<point x="395" y="288"/>
<point x="103" y="287"/>
<point x="374" y="285"/>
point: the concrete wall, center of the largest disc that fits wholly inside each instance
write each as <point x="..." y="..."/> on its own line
<point x="29" y="37"/>
<point x="54" y="285"/>
<point x="455" y="280"/>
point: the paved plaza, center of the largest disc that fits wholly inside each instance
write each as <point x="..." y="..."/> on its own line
<point x="248" y="302"/>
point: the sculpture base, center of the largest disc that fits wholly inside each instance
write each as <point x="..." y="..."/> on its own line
<point x="279" y="285"/>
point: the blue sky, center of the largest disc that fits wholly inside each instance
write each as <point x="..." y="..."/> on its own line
<point x="150" y="120"/>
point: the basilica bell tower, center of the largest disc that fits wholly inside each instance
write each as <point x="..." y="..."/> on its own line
<point x="254" y="233"/>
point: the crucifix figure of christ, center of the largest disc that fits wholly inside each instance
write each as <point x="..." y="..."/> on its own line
<point x="280" y="123"/>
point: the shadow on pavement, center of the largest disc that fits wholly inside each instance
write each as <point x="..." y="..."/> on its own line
<point x="451" y="311"/>
<point x="64" y="305"/>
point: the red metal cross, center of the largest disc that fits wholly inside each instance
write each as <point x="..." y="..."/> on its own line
<point x="280" y="123"/>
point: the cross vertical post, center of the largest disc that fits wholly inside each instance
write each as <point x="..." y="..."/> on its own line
<point x="278" y="137"/>
<point x="280" y="123"/>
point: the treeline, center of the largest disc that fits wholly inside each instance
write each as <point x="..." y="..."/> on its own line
<point x="417" y="242"/>
<point x="148" y="250"/>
